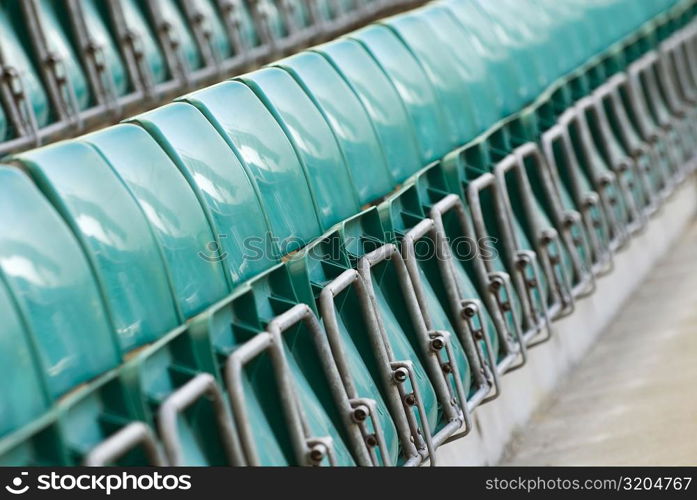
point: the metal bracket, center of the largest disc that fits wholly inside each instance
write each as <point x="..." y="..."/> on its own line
<point x="320" y="25"/>
<point x="52" y="67"/>
<point x="527" y="259"/>
<point x="230" y="14"/>
<point x="244" y="354"/>
<point x="389" y="252"/>
<point x="586" y="201"/>
<point x="17" y="105"/>
<point x="652" y="134"/>
<point x="423" y="229"/>
<point x="65" y="92"/>
<point x="260" y="16"/>
<point x="442" y="341"/>
<point x="608" y="97"/>
<point x="466" y="308"/>
<point x="604" y="181"/>
<point x="201" y="386"/>
<point x="131" y="43"/>
<point x="103" y="77"/>
<point x="204" y="38"/>
<point x="403" y="371"/>
<point x="318" y="450"/>
<point x="565" y="222"/>
<point x="364" y="409"/>
<point x="171" y="46"/>
<point x="99" y="73"/>
<point x="541" y="240"/>
<point x="680" y="92"/>
<point x="663" y="116"/>
<point x="304" y="445"/>
<point x="471" y="309"/>
<point x="496" y="282"/>
<point x="620" y="164"/>
<point x="381" y="351"/>
<point x="128" y="438"/>
<point x="502" y="289"/>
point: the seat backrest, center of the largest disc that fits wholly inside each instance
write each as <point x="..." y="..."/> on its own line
<point x="213" y="24"/>
<point x="115" y="236"/>
<point x="25" y="397"/>
<point x="47" y="273"/>
<point x="501" y="64"/>
<point x="152" y="53"/>
<point x="535" y="59"/>
<point x="96" y="21"/>
<point x="318" y="154"/>
<point x="444" y="48"/>
<point x="14" y="54"/>
<point x="414" y="87"/>
<point x="454" y="83"/>
<point x="173" y="211"/>
<point x="221" y="182"/>
<point x="172" y="16"/>
<point x="272" y="165"/>
<point x="403" y="152"/>
<point x="352" y="126"/>
<point x="349" y="122"/>
<point x="58" y="41"/>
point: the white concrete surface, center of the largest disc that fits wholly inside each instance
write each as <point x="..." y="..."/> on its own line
<point x="525" y="390"/>
<point x="633" y="399"/>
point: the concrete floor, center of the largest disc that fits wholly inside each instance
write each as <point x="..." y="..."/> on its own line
<point x="633" y="399"/>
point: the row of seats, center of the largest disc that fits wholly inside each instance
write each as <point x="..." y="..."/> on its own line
<point x="67" y="66"/>
<point x="334" y="259"/>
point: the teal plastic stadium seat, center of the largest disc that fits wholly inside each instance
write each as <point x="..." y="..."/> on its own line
<point x="348" y="121"/>
<point x="570" y="28"/>
<point x="415" y="89"/>
<point x="312" y="271"/>
<point x="213" y="24"/>
<point x="248" y="31"/>
<point x="170" y="14"/>
<point x="318" y="155"/>
<point x="527" y="48"/>
<point x="490" y="48"/>
<point x="115" y="235"/>
<point x="399" y="216"/>
<point x="14" y="55"/>
<point x="152" y="53"/>
<point x="469" y="101"/>
<point x="241" y="318"/>
<point x="58" y="41"/>
<point x="97" y="23"/>
<point x="176" y="217"/>
<point x="381" y="101"/>
<point x="248" y="127"/>
<point x="56" y="293"/>
<point x="25" y="397"/>
<point x="451" y="46"/>
<point x="220" y="180"/>
<point x="533" y="30"/>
